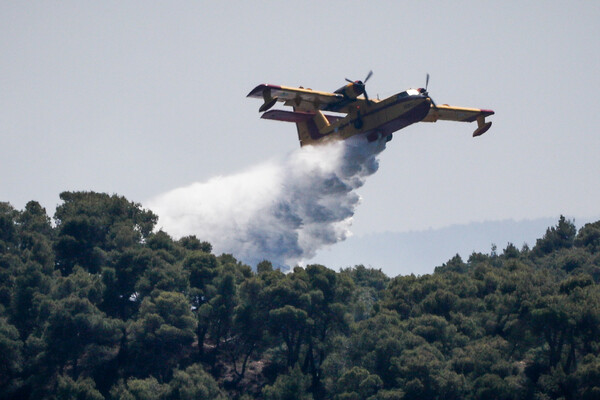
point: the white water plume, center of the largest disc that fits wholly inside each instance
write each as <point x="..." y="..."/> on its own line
<point x="283" y="210"/>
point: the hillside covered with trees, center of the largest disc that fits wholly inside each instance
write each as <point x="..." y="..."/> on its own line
<point x="99" y="305"/>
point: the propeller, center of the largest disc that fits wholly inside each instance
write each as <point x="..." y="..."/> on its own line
<point x="359" y="86"/>
<point x="426" y="93"/>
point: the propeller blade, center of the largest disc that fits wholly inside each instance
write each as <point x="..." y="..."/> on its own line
<point x="366" y="96"/>
<point x="426" y="93"/>
<point x="368" y="76"/>
<point x="348" y="80"/>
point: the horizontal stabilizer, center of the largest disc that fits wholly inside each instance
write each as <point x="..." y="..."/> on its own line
<point x="296" y="116"/>
<point x="288" y="116"/>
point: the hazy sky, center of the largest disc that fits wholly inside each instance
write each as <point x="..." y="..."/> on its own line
<point x="138" y="98"/>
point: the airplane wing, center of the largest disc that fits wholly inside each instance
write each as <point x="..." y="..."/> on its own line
<point x="461" y="114"/>
<point x="303" y="99"/>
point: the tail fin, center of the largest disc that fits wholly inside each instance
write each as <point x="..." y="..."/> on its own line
<point x="309" y="131"/>
<point x="304" y="131"/>
<point x="309" y="124"/>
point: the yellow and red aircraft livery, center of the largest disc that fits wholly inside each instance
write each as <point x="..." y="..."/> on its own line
<point x="363" y="116"/>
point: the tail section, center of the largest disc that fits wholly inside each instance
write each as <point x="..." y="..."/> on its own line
<point x="310" y="125"/>
<point x="306" y="131"/>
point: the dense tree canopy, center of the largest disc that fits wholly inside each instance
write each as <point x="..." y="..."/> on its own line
<point x="100" y="305"/>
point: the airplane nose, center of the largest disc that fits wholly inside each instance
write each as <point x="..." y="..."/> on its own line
<point x="426" y="95"/>
<point x="423" y="108"/>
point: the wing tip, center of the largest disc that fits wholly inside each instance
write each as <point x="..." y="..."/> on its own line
<point x="258" y="90"/>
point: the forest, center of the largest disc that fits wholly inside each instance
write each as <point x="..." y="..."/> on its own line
<point x="95" y="303"/>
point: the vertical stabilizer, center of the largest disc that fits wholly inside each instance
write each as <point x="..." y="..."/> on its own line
<point x="310" y="131"/>
<point x="304" y="131"/>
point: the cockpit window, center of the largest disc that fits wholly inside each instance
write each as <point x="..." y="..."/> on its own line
<point x="409" y="92"/>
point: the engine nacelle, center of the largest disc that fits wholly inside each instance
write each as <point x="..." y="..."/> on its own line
<point x="352" y="90"/>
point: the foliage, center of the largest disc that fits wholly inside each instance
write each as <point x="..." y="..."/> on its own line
<point x="101" y="305"/>
<point x="293" y="385"/>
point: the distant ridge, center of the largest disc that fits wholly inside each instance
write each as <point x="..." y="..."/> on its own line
<point x="419" y="252"/>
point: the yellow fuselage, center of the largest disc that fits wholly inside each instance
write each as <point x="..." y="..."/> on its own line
<point x="375" y="118"/>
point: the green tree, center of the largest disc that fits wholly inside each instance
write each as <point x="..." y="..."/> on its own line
<point x="357" y="383"/>
<point x="291" y="386"/>
<point x="32" y="286"/>
<point x="589" y="237"/>
<point x="89" y="224"/>
<point x="248" y="326"/>
<point x="140" y="389"/>
<point x="369" y="285"/>
<point x="11" y="358"/>
<point x="327" y="315"/>
<point x="562" y="236"/>
<point x="289" y="322"/>
<point x="161" y="336"/>
<point x="120" y="298"/>
<point x="80" y="338"/>
<point x="36" y="236"/>
<point x="492" y="386"/>
<point x="423" y="373"/>
<point x="81" y="389"/>
<point x="202" y="268"/>
<point x="194" y="383"/>
<point x="192" y="243"/>
<point x="164" y="276"/>
<point x="9" y="239"/>
<point x="222" y="308"/>
<point x="587" y="378"/>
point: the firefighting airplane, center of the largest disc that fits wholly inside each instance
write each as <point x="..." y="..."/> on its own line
<point x="375" y="119"/>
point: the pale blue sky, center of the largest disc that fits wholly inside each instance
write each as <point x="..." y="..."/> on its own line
<point x="138" y="98"/>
